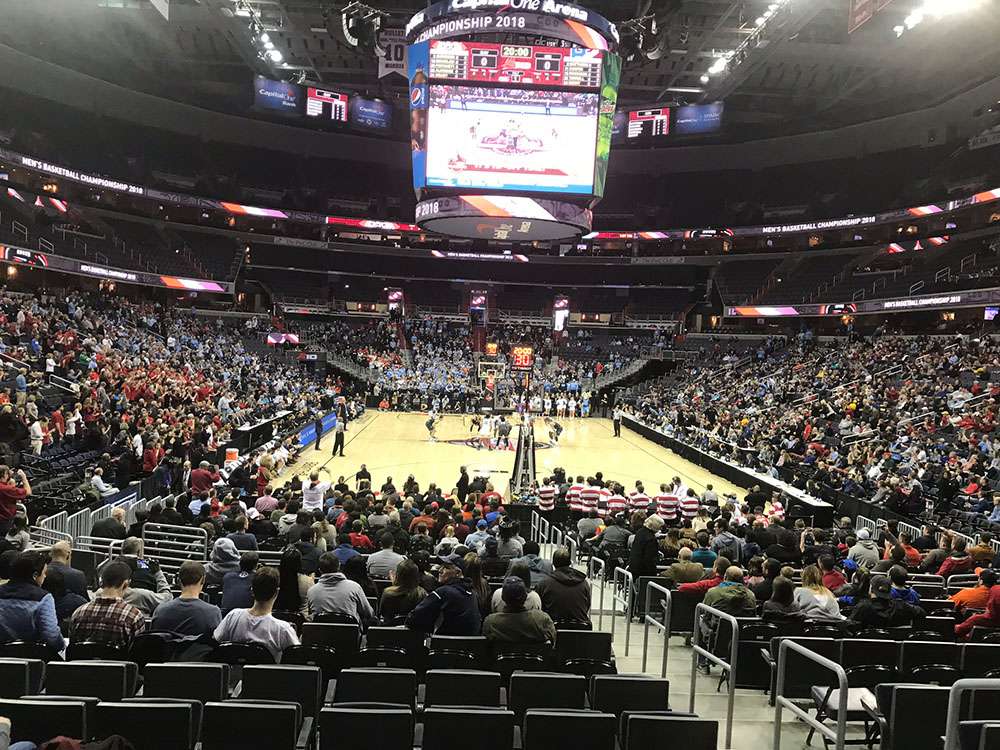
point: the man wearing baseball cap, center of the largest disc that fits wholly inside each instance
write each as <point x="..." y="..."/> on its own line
<point x="865" y="552"/>
<point x="517" y="624"/>
<point x="453" y="603"/>
<point x="479" y="536"/>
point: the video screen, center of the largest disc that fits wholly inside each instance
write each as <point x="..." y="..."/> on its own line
<point x="373" y="114"/>
<point x="277" y="96"/>
<point x="511" y="139"/>
<point x="990" y="313"/>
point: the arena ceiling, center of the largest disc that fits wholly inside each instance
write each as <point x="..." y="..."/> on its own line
<point x="801" y="69"/>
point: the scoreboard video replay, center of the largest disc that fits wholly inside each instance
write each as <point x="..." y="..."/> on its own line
<point x="515" y="64"/>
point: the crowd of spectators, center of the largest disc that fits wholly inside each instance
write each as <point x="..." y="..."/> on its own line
<point x="904" y="422"/>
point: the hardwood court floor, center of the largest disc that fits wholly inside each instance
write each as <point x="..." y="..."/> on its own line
<point x="396" y="444"/>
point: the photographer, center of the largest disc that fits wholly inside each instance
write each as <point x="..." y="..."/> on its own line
<point x="14" y="489"/>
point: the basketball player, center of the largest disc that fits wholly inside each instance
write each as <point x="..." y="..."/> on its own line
<point x="485" y="434"/>
<point x="431" y="425"/>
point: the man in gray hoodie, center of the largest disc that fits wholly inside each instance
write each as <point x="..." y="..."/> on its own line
<point x="540" y="568"/>
<point x="334" y="593"/>
<point x="865" y="553"/>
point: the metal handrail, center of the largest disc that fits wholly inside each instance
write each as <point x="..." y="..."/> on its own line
<point x="594" y="560"/>
<point x="955" y="706"/>
<point x="700" y="611"/>
<point x="838" y="735"/>
<point x="663" y="626"/>
<point x="622" y="580"/>
<point x="47" y="537"/>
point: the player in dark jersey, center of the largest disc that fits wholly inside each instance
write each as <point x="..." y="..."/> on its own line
<point x="431" y="425"/>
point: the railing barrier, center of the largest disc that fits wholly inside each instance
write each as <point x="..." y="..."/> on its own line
<point x="955" y="707"/>
<point x="837" y="736"/>
<point x="700" y="611"/>
<point x="598" y="562"/>
<point x="622" y="593"/>
<point x="663" y="626"/>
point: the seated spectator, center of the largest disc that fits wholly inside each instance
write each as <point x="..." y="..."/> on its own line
<point x="334" y="593"/>
<point x="257" y="624"/>
<point x="60" y="557"/>
<point x="109" y="618"/>
<point x="565" y="593"/>
<point x="359" y="539"/>
<point x="294" y="585"/>
<point x="356" y="571"/>
<point x="865" y="551"/>
<point x="405" y="593"/>
<point x="881" y="610"/>
<point x="105" y="489"/>
<point x="344" y="550"/>
<point x="539" y="567"/>
<point x="17" y="538"/>
<point x="236" y="591"/>
<point x="983" y="553"/>
<point x="225" y="559"/>
<point x="703" y="555"/>
<point x="382" y="563"/>
<point x="937" y="555"/>
<point x="533" y="601"/>
<point x="816" y="601"/>
<point x="67" y="602"/>
<point x="976" y="597"/>
<point x="712" y="580"/>
<point x="516" y="624"/>
<point x="833" y="579"/>
<point x="148" y="587"/>
<point x="261" y="526"/>
<point x="685" y="570"/>
<point x="188" y="614"/>
<point x="452" y="604"/>
<point x="732" y="595"/>
<point x="27" y="611"/>
<point x="959" y="561"/>
<point x="772" y="569"/>
<point x="899" y="590"/>
<point x="111" y="528"/>
<point x="781" y="608"/>
<point x="897" y="557"/>
<point x="237" y="531"/>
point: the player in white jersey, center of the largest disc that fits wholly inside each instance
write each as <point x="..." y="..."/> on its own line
<point x="486" y="434"/>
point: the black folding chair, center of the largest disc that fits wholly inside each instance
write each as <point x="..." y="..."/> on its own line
<point x="234" y="725"/>
<point x="545" y="690"/>
<point x="39" y="720"/>
<point x="494" y="728"/>
<point x="201" y="681"/>
<point x="152" y="726"/>
<point x="377" y="685"/>
<point x="354" y="725"/>
<point x="568" y="730"/>
<point x="465" y="687"/>
<point x="107" y="680"/>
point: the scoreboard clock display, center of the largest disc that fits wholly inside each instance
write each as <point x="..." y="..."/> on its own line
<point x="649" y="122"/>
<point x="328" y="104"/>
<point x="521" y="64"/>
<point x="522" y="358"/>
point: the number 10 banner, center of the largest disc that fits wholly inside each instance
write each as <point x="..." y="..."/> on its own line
<point x="393" y="58"/>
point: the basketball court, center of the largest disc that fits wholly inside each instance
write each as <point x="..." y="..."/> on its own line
<point x="396" y="444"/>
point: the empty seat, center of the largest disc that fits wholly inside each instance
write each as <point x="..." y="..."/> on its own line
<point x="26" y="650"/>
<point x="345" y="639"/>
<point x="981" y="660"/>
<point x="568" y="730"/>
<point x="614" y="694"/>
<point x="107" y="680"/>
<point x="196" y="706"/>
<point x="241" y="654"/>
<point x="15" y="677"/>
<point x="324" y="657"/>
<point x="203" y="682"/>
<point x="152" y="726"/>
<point x="354" y="725"/>
<point x="583" y="652"/>
<point x="665" y="732"/>
<point x="461" y="687"/>
<point x="459" y="652"/>
<point x="544" y="690"/>
<point x="383" y="644"/>
<point x="494" y="728"/>
<point x="35" y="720"/>
<point x="915" y="717"/>
<point x="95" y="650"/>
<point x="284" y="682"/>
<point x="236" y="726"/>
<point x="377" y="685"/>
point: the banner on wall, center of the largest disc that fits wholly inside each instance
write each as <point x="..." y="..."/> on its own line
<point x="393" y="57"/>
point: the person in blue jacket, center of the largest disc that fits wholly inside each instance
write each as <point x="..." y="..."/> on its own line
<point x="27" y="611"/>
<point x="453" y="603"/>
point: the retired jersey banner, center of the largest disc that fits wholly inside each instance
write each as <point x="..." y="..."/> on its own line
<point x="393" y="57"/>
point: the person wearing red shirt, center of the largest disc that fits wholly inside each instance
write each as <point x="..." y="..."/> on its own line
<point x="202" y="478"/>
<point x="710" y="581"/>
<point x="152" y="456"/>
<point x="11" y="494"/>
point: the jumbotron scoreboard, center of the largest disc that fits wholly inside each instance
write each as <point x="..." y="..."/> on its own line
<point x="522" y="64"/>
<point x="522" y="358"/>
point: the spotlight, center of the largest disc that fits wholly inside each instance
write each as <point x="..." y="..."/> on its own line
<point x="275" y="56"/>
